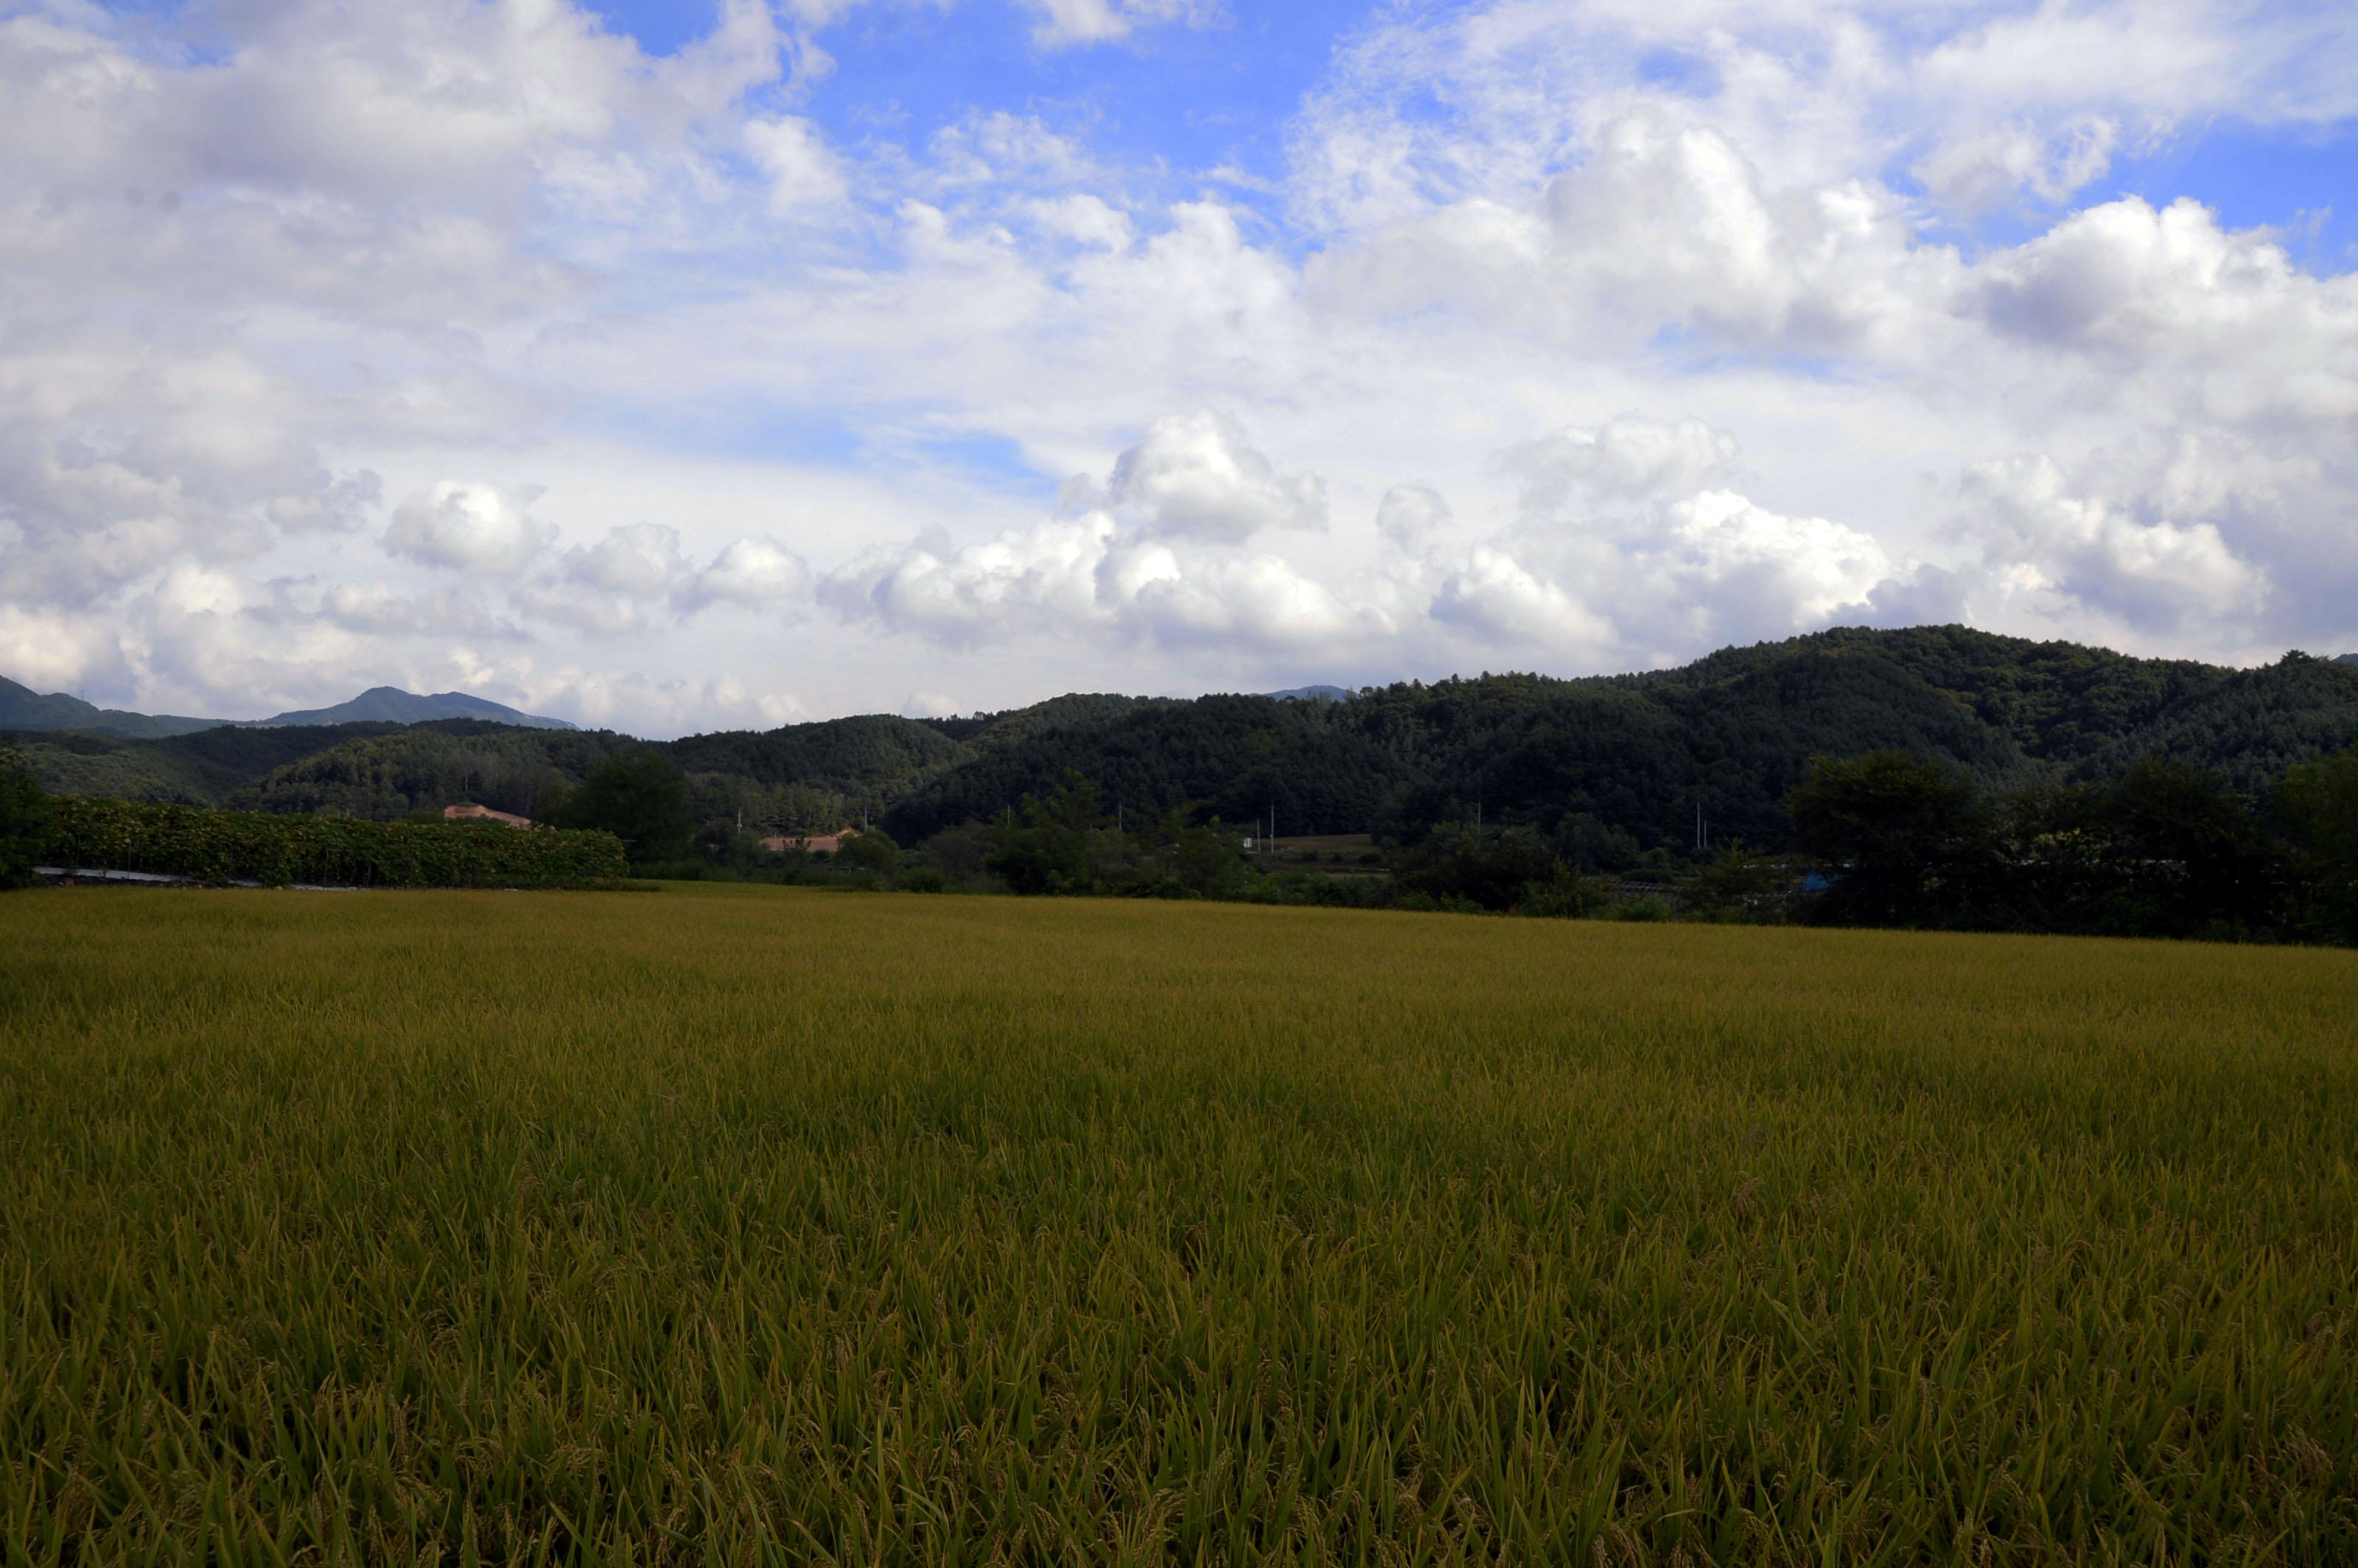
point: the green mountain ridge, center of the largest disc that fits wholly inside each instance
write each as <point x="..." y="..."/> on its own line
<point x="391" y="705"/>
<point x="22" y="709"/>
<point x="1610" y="768"/>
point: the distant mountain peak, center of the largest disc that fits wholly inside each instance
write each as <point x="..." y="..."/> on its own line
<point x="1311" y="694"/>
<point x="392" y="704"/>
<point x="21" y="707"/>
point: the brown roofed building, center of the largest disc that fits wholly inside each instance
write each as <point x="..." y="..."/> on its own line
<point x="808" y="843"/>
<point x="468" y="812"/>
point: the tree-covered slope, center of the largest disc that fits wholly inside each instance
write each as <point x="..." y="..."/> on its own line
<point x="1613" y="765"/>
<point x="873" y="753"/>
<point x="1237" y="756"/>
<point x="1609" y="766"/>
<point x="201" y="768"/>
<point x="392" y="771"/>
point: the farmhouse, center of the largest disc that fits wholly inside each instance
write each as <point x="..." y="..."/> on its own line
<point x="808" y="843"/>
<point x="468" y="812"/>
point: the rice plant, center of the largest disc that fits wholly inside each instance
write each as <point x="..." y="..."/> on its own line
<point x="764" y="1226"/>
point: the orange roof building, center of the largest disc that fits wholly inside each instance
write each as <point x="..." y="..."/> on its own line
<point x="468" y="812"/>
<point x="810" y="843"/>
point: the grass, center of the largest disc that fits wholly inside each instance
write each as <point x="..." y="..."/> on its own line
<point x="744" y="1225"/>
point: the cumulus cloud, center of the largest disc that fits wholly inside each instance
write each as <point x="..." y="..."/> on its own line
<point x="2149" y="570"/>
<point x="608" y="587"/>
<point x="469" y="527"/>
<point x="1748" y="566"/>
<point x="2171" y="287"/>
<point x="1662" y="224"/>
<point x="756" y="573"/>
<point x="1502" y="601"/>
<point x="641" y="559"/>
<point x="1194" y="475"/>
<point x="1154" y="552"/>
<point x="1630" y="457"/>
<point x="1626" y="537"/>
<point x="253" y="270"/>
<point x="1036" y="579"/>
<point x="49" y="650"/>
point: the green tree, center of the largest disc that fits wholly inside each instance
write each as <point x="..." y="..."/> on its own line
<point x="1176" y="857"/>
<point x="1497" y="870"/>
<point x="2185" y="857"/>
<point x="871" y="850"/>
<point x="1907" y="842"/>
<point x="1045" y="847"/>
<point x="1739" y="884"/>
<point x="639" y="797"/>
<point x="24" y="820"/>
<point x="2317" y="805"/>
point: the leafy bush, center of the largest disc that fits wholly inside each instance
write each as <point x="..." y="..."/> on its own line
<point x="236" y="846"/>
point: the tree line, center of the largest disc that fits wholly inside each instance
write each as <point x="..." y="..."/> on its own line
<point x="2164" y="848"/>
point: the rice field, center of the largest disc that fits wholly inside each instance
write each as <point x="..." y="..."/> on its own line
<point x="746" y="1225"/>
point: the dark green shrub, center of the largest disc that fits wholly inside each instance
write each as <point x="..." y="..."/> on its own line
<point x="242" y="846"/>
<point x="24" y="820"/>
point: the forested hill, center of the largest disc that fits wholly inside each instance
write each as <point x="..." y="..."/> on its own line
<point x="1614" y="764"/>
<point x="1610" y="767"/>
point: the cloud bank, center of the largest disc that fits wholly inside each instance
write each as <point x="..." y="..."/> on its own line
<point x="470" y="343"/>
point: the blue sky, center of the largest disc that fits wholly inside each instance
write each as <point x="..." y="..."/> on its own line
<point x="682" y="366"/>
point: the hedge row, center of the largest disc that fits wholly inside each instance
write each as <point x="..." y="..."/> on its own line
<point x="341" y="851"/>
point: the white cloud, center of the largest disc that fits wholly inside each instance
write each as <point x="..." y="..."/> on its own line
<point x="379" y="610"/>
<point x="1989" y="169"/>
<point x="1749" y="567"/>
<point x="1063" y="22"/>
<point x="2148" y="570"/>
<point x="266" y="282"/>
<point x="470" y="527"/>
<point x="49" y="650"/>
<point x="1156" y="553"/>
<point x="802" y="173"/>
<point x="1194" y="475"/>
<point x="1040" y="579"/>
<point x="2172" y="289"/>
<point x="641" y="560"/>
<point x="757" y="573"/>
<point x="1502" y="601"/>
<point x="1411" y="515"/>
<point x="1629" y="456"/>
<point x="1662" y="225"/>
